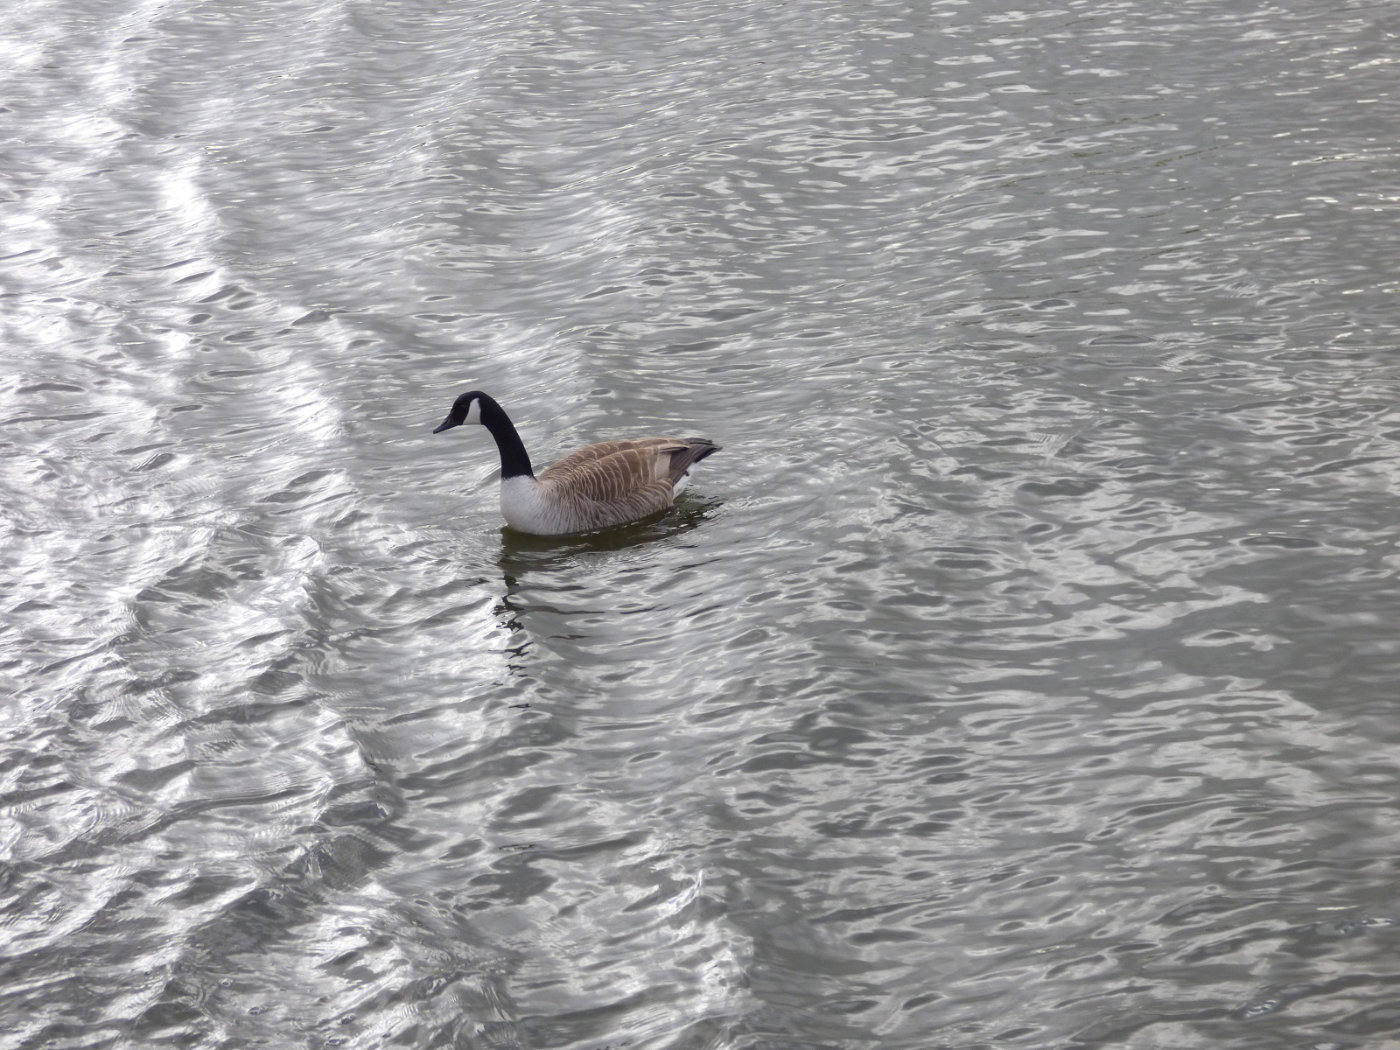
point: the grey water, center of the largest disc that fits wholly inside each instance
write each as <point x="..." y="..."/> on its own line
<point x="1022" y="674"/>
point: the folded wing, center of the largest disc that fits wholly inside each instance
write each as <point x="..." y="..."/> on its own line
<point x="618" y="481"/>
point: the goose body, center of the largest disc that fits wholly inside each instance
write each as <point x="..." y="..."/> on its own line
<point x="597" y="487"/>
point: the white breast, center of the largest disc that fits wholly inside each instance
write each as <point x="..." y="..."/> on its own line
<point x="525" y="508"/>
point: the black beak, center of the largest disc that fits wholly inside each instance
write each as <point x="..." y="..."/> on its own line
<point x="446" y="424"/>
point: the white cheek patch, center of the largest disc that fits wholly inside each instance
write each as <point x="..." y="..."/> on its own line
<point x="473" y="411"/>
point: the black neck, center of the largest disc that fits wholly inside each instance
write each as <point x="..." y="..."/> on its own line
<point x="515" y="461"/>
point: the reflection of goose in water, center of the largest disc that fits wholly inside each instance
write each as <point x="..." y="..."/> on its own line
<point x="557" y="594"/>
<point x="597" y="487"/>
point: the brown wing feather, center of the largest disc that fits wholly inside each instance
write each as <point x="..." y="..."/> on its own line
<point x="614" y="482"/>
<point x="603" y="449"/>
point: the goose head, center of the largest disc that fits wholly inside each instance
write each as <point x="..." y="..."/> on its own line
<point x="476" y="406"/>
<point x="466" y="409"/>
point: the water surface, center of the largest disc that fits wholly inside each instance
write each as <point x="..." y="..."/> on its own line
<point x="1022" y="674"/>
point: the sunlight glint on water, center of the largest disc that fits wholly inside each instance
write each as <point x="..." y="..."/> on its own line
<point x="1021" y="674"/>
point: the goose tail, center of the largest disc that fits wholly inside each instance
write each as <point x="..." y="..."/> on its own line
<point x="685" y="455"/>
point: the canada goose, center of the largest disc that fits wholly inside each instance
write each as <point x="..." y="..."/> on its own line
<point x="610" y="483"/>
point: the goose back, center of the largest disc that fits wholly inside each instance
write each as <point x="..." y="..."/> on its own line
<point x="614" y="482"/>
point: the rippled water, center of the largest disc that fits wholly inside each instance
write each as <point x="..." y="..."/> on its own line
<point x="1022" y="674"/>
